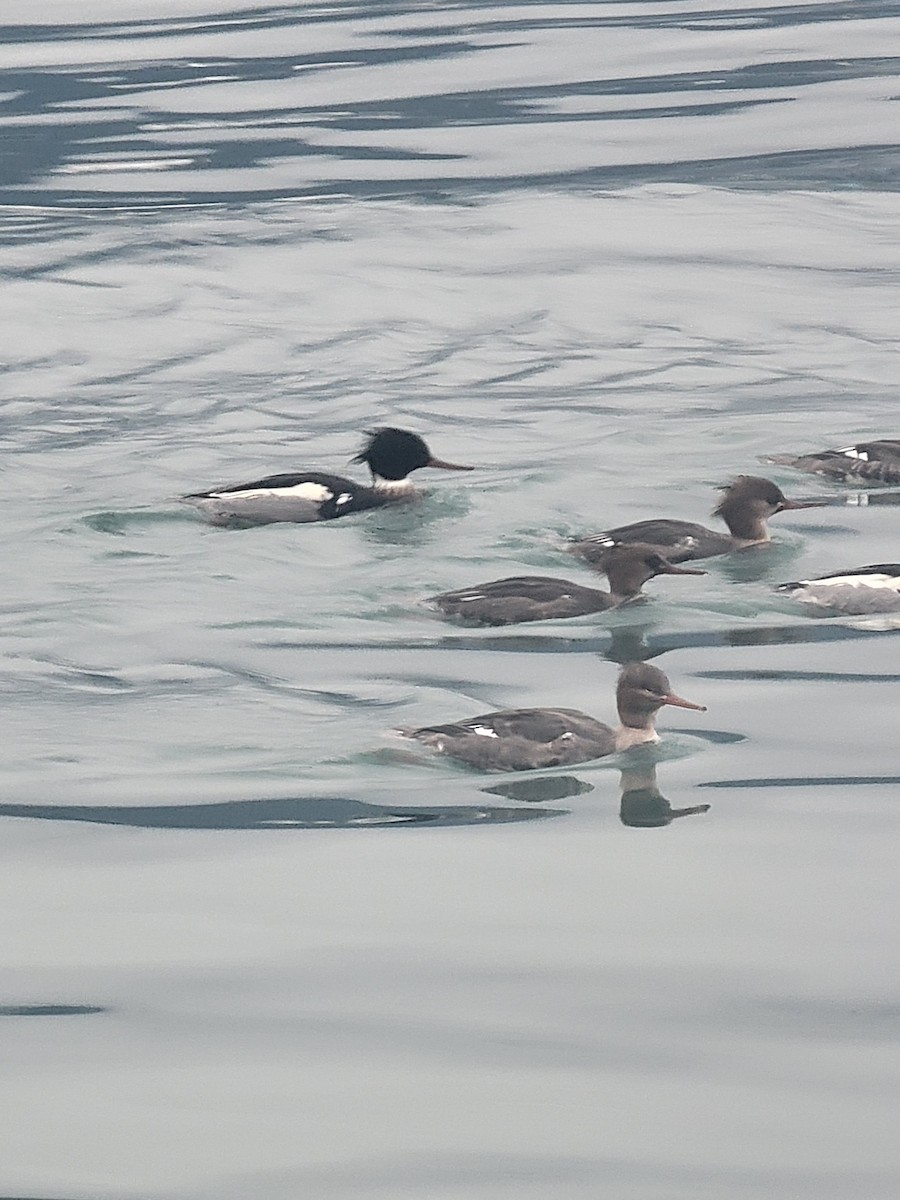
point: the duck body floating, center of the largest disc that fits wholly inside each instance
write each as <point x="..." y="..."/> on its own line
<point x="304" y="496"/>
<point x="857" y="592"/>
<point x="745" y="507"/>
<point x="522" y="739"/>
<point x="522" y="598"/>
<point x="878" y="462"/>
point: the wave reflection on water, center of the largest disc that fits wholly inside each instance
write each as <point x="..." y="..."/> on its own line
<point x="270" y="102"/>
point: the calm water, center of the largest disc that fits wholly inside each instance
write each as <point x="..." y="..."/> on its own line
<point x="612" y="254"/>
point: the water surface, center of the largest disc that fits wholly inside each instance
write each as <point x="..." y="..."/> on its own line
<point x="611" y="254"/>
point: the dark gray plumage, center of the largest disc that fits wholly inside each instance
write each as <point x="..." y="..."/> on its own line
<point x="872" y="462"/>
<point x="521" y="739"/>
<point x="522" y="598"/>
<point x="745" y="507"/>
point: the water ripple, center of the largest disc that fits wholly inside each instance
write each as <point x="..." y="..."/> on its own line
<point x="806" y="782"/>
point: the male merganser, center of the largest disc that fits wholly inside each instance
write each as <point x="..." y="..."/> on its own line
<point x="391" y="455"/>
<point x="878" y="461"/>
<point x="862" y="590"/>
<point x="519" y="739"/>
<point x="542" y="598"/>
<point x="745" y="508"/>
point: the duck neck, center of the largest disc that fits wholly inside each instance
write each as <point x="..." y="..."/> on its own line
<point x="622" y="590"/>
<point x="747" y="528"/>
<point x="393" y="487"/>
<point x="634" y="731"/>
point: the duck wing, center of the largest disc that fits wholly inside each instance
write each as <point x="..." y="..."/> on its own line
<point x="678" y="541"/>
<point x="521" y="739"/>
<point x="521" y="598"/>
<point x="299" y="496"/>
<point x="878" y="461"/>
<point x="286" y="481"/>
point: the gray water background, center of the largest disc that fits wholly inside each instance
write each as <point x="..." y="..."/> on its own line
<point x="611" y="254"/>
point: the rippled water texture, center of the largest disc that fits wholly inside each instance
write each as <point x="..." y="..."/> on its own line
<point x="612" y="255"/>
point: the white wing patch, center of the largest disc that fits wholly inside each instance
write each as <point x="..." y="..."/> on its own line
<point x="891" y="582"/>
<point x="484" y="731"/>
<point x="852" y="452"/>
<point x="343" y="498"/>
<point x="315" y="493"/>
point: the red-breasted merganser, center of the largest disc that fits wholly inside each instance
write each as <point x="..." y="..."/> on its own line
<point x="542" y="598"/>
<point x="391" y="455"/>
<point x="745" y="508"/>
<point x="519" y="739"/>
<point x="862" y="590"/>
<point x="878" y="462"/>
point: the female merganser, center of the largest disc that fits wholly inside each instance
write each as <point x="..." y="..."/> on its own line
<point x="745" y="508"/>
<point x="863" y="590"/>
<point x="519" y="739"/>
<point x="391" y="455"/>
<point x="878" y="461"/>
<point x="541" y="598"/>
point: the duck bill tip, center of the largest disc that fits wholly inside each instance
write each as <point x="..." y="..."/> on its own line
<point x="446" y="466"/>
<point x="820" y="502"/>
<point x="679" y="702"/>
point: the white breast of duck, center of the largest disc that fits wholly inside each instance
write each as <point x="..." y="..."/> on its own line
<point x="859" y="591"/>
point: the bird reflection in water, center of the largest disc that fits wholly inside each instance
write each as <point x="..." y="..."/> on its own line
<point x="870" y="499"/>
<point x="299" y="812"/>
<point x="642" y="805"/>
<point x="628" y="644"/>
<point x="542" y="789"/>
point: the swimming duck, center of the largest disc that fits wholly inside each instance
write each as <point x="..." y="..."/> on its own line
<point x="877" y="461"/>
<point x="520" y="739"/>
<point x="523" y="598"/>
<point x="862" y="590"/>
<point x="745" y="507"/>
<point x="302" y="496"/>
